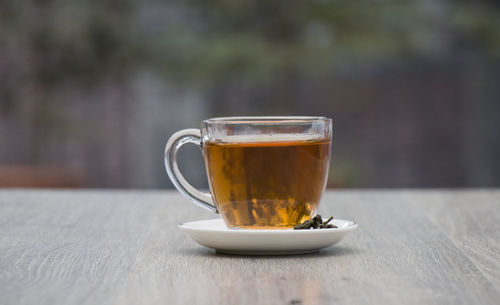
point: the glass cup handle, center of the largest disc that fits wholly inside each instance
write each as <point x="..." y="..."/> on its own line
<point x="175" y="142"/>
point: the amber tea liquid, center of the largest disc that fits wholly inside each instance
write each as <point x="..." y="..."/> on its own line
<point x="267" y="184"/>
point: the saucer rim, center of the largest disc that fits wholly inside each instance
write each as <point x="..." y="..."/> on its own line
<point x="351" y="225"/>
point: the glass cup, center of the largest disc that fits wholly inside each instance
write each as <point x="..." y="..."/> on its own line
<point x="263" y="172"/>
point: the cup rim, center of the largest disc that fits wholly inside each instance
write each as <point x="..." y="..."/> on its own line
<point x="275" y="120"/>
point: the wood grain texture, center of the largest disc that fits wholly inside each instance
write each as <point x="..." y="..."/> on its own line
<point x="472" y="221"/>
<point x="69" y="247"/>
<point x="412" y="247"/>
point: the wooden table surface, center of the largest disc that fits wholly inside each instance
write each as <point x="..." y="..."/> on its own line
<point x="123" y="247"/>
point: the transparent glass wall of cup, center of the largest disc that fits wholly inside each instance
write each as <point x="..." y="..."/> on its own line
<point x="263" y="172"/>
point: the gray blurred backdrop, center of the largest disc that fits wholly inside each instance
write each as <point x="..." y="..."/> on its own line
<point x="91" y="90"/>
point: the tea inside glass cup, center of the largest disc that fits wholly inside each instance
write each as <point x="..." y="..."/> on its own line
<point x="267" y="182"/>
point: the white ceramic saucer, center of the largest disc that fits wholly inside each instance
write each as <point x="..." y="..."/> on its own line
<point x="214" y="234"/>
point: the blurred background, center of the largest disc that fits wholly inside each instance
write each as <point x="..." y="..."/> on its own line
<point x="91" y="90"/>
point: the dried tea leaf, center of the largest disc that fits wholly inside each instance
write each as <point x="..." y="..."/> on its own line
<point x="315" y="223"/>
